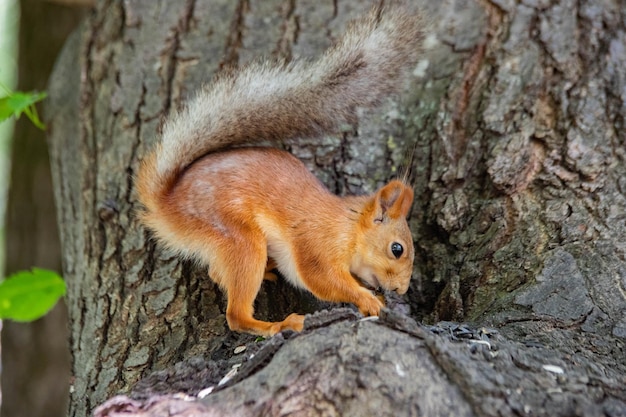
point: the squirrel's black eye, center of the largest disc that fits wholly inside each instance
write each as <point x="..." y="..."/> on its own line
<point x="397" y="249"/>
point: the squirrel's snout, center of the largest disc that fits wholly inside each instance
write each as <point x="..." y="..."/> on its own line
<point x="402" y="289"/>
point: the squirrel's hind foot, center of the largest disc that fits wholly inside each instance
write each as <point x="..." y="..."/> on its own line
<point x="251" y="325"/>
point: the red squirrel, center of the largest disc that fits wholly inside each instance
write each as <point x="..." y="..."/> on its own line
<point x="245" y="210"/>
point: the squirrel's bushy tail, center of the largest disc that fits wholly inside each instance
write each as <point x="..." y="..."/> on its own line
<point x="276" y="101"/>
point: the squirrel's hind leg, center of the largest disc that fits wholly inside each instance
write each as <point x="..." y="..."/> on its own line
<point x="241" y="274"/>
<point x="269" y="275"/>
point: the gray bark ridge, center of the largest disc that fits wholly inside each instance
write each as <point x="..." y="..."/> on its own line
<point x="345" y="365"/>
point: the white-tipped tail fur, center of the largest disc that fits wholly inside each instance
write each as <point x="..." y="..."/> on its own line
<point x="276" y="101"/>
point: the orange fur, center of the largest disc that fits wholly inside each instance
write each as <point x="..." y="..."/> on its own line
<point x="243" y="211"/>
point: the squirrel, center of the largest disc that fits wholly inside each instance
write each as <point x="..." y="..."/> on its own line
<point x="243" y="210"/>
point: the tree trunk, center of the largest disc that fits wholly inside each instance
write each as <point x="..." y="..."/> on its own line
<point x="516" y="115"/>
<point x="35" y="357"/>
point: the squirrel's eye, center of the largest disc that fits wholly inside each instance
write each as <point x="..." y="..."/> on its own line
<point x="397" y="249"/>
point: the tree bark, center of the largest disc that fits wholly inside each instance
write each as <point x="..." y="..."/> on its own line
<point x="516" y="116"/>
<point x="386" y="367"/>
<point x="35" y="356"/>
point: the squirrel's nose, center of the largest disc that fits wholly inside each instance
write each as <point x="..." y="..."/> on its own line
<point x="401" y="290"/>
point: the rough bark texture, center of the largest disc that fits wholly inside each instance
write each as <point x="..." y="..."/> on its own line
<point x="35" y="356"/>
<point x="343" y="366"/>
<point x="516" y="114"/>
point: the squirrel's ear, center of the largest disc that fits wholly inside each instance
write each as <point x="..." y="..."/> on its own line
<point x="392" y="201"/>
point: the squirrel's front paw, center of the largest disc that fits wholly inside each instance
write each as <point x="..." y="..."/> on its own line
<point x="369" y="305"/>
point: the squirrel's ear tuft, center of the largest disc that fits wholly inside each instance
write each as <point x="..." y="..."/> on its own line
<point x="394" y="200"/>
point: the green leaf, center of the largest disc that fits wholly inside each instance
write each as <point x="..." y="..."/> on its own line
<point x="17" y="103"/>
<point x="29" y="295"/>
